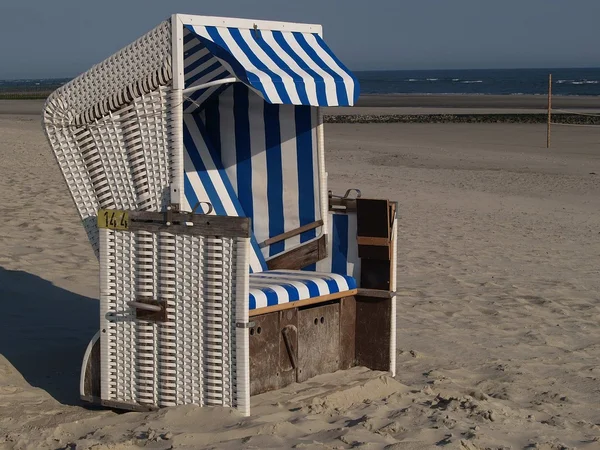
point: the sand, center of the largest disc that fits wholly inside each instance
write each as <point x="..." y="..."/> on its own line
<point x="498" y="313"/>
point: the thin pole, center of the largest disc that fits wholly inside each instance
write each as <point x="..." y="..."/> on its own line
<point x="549" y="110"/>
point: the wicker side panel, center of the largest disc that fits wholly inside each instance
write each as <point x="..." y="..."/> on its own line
<point x="191" y="357"/>
<point x="109" y="129"/>
<point x="120" y="161"/>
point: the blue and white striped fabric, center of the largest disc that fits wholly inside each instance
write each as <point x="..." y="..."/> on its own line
<point x="200" y="67"/>
<point x="269" y="153"/>
<point x="276" y="287"/>
<point x="342" y="247"/>
<point x="205" y="180"/>
<point x="283" y="67"/>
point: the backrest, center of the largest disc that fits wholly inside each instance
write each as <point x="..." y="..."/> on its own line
<point x="269" y="153"/>
<point x="205" y="180"/>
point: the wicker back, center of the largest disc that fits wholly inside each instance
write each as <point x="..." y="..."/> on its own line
<point x="109" y="129"/>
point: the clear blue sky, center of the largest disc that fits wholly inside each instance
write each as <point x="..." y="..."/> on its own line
<point x="62" y="38"/>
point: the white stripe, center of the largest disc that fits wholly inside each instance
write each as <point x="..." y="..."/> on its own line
<point x="309" y="81"/>
<point x="215" y="177"/>
<point x="238" y="53"/>
<point x="325" y="264"/>
<point x="259" y="279"/>
<point x="333" y="65"/>
<point x="288" y="82"/>
<point x="211" y="168"/>
<point x="318" y="189"/>
<point x="353" y="263"/>
<point x="280" y="292"/>
<point x="289" y="162"/>
<point x="194" y="179"/>
<point x="259" y="168"/>
<point x="330" y="92"/>
<point x="301" y="275"/>
<point x="201" y="31"/>
<point x="260" y="297"/>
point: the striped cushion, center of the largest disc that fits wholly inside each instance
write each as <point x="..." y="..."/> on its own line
<point x="275" y="287"/>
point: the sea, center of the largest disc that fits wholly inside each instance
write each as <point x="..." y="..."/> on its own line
<point x="480" y="81"/>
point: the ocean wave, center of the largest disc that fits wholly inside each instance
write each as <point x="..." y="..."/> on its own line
<point x="471" y="81"/>
<point x="432" y="79"/>
<point x="578" y="82"/>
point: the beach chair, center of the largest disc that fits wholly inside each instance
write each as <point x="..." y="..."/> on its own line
<point x="195" y="157"/>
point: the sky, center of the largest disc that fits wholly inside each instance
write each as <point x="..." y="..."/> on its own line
<point x="62" y="38"/>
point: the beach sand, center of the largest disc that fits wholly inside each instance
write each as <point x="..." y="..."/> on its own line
<point x="498" y="311"/>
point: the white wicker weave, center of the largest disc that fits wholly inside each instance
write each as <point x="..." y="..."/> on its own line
<point x="192" y="356"/>
<point x="109" y="130"/>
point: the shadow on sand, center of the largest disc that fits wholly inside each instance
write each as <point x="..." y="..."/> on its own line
<point x="44" y="331"/>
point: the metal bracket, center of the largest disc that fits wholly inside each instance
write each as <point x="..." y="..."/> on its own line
<point x="245" y="325"/>
<point x="344" y="203"/>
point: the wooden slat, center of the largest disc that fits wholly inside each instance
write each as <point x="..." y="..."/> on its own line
<point x="300" y="257"/>
<point x="347" y="332"/>
<point x="300" y="303"/>
<point x="378" y="241"/>
<point x="375" y="293"/>
<point x="214" y="226"/>
<point x="185" y="223"/>
<point x="291" y="233"/>
<point x="373" y="316"/>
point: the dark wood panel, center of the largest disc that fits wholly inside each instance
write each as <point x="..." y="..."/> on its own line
<point x="347" y="332"/>
<point x="300" y="257"/>
<point x="264" y="353"/>
<point x="372" y="218"/>
<point x="375" y="274"/>
<point x="318" y="341"/>
<point x="288" y="346"/>
<point x="373" y="317"/>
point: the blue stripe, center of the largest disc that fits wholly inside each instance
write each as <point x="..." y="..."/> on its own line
<point x="204" y="59"/>
<point x="339" y="244"/>
<point x="243" y="151"/>
<point x="272" y="297"/>
<point x="256" y="62"/>
<point x="213" y="126"/>
<point x="190" y="194"/>
<point x="340" y="88"/>
<point x="188" y="35"/>
<point x="219" y="48"/>
<point x="299" y="85"/>
<point x="274" y="176"/>
<point x="194" y="155"/>
<point x="326" y="49"/>
<point x="319" y="82"/>
<point x="252" y="302"/>
<point x="215" y="92"/>
<point x="304" y="161"/>
<point x="207" y="183"/>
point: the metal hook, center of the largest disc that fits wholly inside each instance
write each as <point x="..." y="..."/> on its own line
<point x="210" y="207"/>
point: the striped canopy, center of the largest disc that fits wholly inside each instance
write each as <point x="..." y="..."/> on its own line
<point x="283" y="67"/>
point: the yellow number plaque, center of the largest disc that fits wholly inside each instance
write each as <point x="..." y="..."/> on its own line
<point x="113" y="219"/>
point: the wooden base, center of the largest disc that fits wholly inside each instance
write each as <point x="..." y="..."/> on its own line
<point x="296" y="344"/>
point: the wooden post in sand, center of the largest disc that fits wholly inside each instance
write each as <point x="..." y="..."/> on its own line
<point x="549" y="110"/>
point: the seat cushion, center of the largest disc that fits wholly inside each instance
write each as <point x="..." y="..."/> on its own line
<point x="275" y="287"/>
